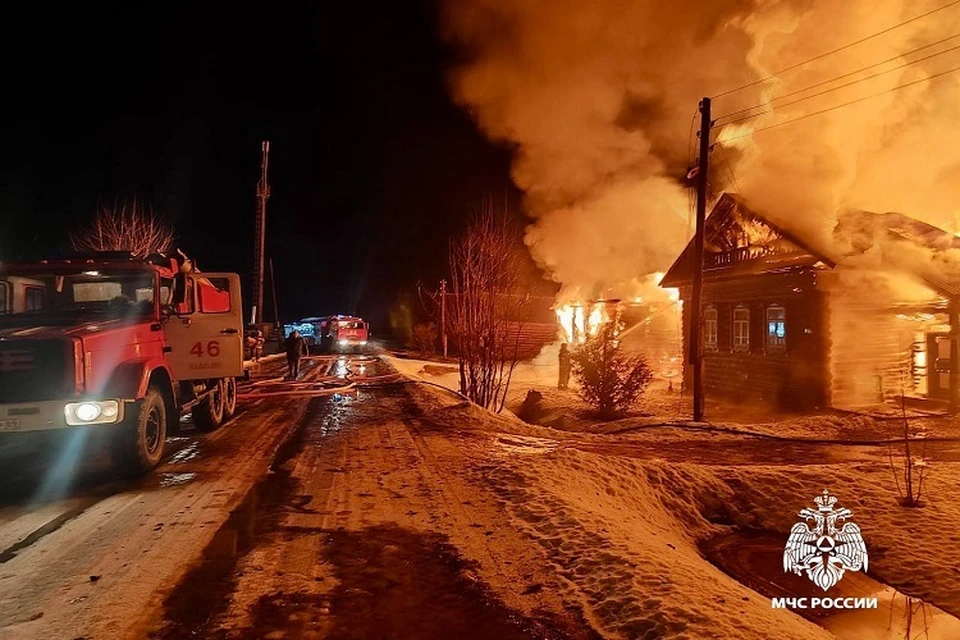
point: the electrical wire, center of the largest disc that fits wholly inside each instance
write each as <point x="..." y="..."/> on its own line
<point x="837" y="50"/>
<point x="840" y="77"/>
<point x="845" y="104"/>
<point x="690" y="159"/>
<point x="729" y="168"/>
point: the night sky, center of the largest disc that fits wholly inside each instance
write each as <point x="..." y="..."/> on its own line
<point x="372" y="167"/>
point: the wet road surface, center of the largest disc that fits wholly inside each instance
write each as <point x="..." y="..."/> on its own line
<point x="316" y="512"/>
<point x="83" y="551"/>
<point x="347" y="538"/>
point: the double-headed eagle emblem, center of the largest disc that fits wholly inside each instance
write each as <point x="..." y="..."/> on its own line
<point x="829" y="547"/>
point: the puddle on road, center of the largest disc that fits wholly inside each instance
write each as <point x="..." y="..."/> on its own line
<point x="398" y="583"/>
<point x="175" y="479"/>
<point x="188" y="453"/>
<point x="756" y="560"/>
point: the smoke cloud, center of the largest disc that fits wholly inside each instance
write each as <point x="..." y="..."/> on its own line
<point x="598" y="99"/>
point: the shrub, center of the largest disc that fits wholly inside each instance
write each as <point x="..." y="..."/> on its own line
<point x="610" y="381"/>
<point x="424" y="339"/>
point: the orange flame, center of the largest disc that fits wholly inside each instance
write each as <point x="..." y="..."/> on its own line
<point x="578" y="325"/>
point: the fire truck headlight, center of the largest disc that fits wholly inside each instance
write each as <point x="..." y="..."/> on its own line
<point x="92" y="412"/>
<point x="343" y="343"/>
<point x="87" y="412"/>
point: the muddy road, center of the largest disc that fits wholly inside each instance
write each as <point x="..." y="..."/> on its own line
<point x="84" y="553"/>
<point x="319" y="511"/>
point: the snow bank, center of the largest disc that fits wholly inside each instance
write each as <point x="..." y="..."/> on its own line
<point x="621" y="532"/>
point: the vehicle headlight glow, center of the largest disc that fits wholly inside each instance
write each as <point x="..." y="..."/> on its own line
<point x="87" y="412"/>
<point x="92" y="412"/>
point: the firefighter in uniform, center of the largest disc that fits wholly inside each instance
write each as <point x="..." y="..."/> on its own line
<point x="564" y="366"/>
<point x="295" y="347"/>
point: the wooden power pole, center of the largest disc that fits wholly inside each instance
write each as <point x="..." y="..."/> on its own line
<point x="695" y="346"/>
<point x="276" y="311"/>
<point x="443" y="316"/>
<point x="263" y="193"/>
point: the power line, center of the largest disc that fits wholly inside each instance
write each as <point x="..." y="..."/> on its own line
<point x="855" y="72"/>
<point x="729" y="168"/>
<point x="837" y="50"/>
<point x="845" y="104"/>
<point x="771" y="109"/>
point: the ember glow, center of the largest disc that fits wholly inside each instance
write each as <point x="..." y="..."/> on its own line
<point x="577" y="324"/>
<point x="673" y="294"/>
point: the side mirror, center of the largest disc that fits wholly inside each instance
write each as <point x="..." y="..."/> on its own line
<point x="179" y="290"/>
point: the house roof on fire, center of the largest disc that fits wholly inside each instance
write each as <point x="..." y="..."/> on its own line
<point x="739" y="241"/>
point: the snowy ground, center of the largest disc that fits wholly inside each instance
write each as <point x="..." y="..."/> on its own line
<point x="619" y="509"/>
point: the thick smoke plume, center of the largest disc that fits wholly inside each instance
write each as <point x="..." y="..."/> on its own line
<point x="598" y="98"/>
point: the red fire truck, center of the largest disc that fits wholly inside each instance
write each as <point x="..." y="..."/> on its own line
<point x="343" y="333"/>
<point x="119" y="347"/>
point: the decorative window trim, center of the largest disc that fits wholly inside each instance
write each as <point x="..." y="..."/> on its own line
<point x="711" y="327"/>
<point x="740" y="341"/>
<point x="777" y="340"/>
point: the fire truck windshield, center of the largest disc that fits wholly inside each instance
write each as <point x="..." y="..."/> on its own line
<point x="112" y="294"/>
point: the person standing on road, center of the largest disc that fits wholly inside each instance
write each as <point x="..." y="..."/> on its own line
<point x="258" y="347"/>
<point x="295" y="347"/>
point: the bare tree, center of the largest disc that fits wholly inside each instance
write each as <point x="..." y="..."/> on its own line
<point x="484" y="314"/>
<point x="912" y="467"/>
<point x="128" y="226"/>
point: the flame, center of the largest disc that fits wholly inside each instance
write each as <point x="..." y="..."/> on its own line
<point x="673" y="294"/>
<point x="578" y="325"/>
<point x="598" y="316"/>
<point x="565" y="317"/>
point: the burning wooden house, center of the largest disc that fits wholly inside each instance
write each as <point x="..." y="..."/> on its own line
<point x="650" y="327"/>
<point x="863" y="320"/>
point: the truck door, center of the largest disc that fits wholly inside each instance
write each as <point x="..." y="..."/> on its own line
<point x="205" y="340"/>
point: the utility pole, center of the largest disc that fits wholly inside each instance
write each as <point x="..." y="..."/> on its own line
<point x="695" y="347"/>
<point x="276" y="313"/>
<point x="263" y="193"/>
<point x="954" y="316"/>
<point x="443" y="316"/>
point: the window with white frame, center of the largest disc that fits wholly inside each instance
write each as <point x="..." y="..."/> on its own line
<point x="710" y="329"/>
<point x="741" y="329"/>
<point x="776" y="327"/>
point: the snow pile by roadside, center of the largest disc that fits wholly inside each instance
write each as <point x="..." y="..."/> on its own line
<point x="445" y="375"/>
<point x="621" y="533"/>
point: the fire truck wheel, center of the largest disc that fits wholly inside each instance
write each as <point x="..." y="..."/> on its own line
<point x="141" y="446"/>
<point x="208" y="414"/>
<point x="229" y="398"/>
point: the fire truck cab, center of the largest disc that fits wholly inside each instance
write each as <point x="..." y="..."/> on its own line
<point x="118" y="348"/>
<point x="340" y="334"/>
